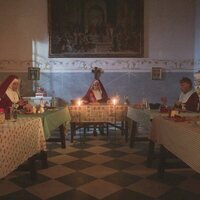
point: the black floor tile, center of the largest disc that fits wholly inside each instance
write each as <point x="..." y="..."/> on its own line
<point x="50" y="164"/>
<point x="127" y="195"/>
<point x="118" y="164"/>
<point x="79" y="164"/>
<point x="179" y="194"/>
<point x="196" y="176"/>
<point x="169" y="178"/>
<point x="76" y="179"/>
<point x="19" y="195"/>
<point x="122" y="179"/>
<point x="80" y="154"/>
<point x="73" y="195"/>
<point x="82" y="144"/>
<point x="141" y="145"/>
<point x="142" y="152"/>
<point x="52" y="153"/>
<point x="38" y="163"/>
<point x="53" y="145"/>
<point x="113" y="145"/>
<point x="25" y="181"/>
<point x="114" y="153"/>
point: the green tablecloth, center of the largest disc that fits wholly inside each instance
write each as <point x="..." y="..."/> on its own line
<point x="51" y="119"/>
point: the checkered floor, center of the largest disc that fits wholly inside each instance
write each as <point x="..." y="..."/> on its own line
<point x="100" y="167"/>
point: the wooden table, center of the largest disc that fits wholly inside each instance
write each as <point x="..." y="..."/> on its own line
<point x="85" y="115"/>
<point x="20" y="141"/>
<point x="52" y="119"/>
<point x="180" y="138"/>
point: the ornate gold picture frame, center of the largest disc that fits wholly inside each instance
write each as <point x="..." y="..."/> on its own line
<point x="95" y="28"/>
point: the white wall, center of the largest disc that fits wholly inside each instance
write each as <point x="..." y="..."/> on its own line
<point x="171" y="28"/>
<point x="21" y="21"/>
<point x="168" y="32"/>
<point x="197" y="36"/>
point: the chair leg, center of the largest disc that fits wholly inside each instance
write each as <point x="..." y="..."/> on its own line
<point x="95" y="130"/>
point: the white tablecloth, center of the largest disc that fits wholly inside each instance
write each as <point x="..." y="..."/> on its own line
<point x="180" y="138"/>
<point x="19" y="141"/>
<point x="144" y="116"/>
<point x="139" y="115"/>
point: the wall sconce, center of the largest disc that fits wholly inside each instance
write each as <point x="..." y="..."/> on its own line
<point x="33" y="73"/>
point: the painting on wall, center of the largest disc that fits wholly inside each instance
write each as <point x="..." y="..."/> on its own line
<point x="95" y="28"/>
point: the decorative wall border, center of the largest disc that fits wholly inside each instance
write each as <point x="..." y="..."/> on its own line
<point x="108" y="65"/>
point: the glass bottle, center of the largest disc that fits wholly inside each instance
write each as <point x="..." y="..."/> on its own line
<point x="14" y="110"/>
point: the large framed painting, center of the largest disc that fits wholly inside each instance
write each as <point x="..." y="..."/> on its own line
<point x="95" y="28"/>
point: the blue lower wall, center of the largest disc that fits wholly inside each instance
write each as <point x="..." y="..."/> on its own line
<point x="136" y="85"/>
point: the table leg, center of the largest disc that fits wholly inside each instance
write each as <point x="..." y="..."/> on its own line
<point x="95" y="130"/>
<point x="125" y="128"/>
<point x="84" y="130"/>
<point x="107" y="129"/>
<point x="161" y="165"/>
<point x="101" y="128"/>
<point x="150" y="155"/>
<point x="73" y="126"/>
<point x="32" y="168"/>
<point x="43" y="156"/>
<point x="62" y="136"/>
<point x="133" y="133"/>
<point x="122" y="127"/>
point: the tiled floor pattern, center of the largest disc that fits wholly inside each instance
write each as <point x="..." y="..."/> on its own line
<point x="100" y="168"/>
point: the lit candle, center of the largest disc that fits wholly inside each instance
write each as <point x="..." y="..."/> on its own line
<point x="114" y="101"/>
<point x="79" y="102"/>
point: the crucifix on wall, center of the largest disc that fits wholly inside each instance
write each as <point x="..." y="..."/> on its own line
<point x="97" y="72"/>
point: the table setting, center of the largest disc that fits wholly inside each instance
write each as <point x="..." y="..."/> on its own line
<point x="180" y="137"/>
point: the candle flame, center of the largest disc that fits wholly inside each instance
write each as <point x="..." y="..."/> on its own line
<point x="79" y="102"/>
<point x="114" y="101"/>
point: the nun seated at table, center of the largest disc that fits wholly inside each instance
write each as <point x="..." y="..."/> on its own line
<point x="96" y="93"/>
<point x="9" y="95"/>
<point x="189" y="99"/>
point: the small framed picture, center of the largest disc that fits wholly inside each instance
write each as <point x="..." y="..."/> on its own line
<point x="33" y="73"/>
<point x="156" y="73"/>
